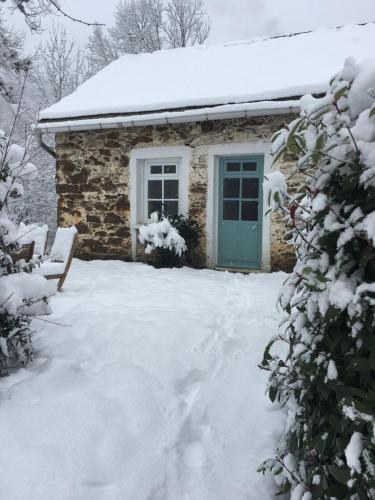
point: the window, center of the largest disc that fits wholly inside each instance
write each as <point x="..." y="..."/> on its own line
<point x="162" y="187"/>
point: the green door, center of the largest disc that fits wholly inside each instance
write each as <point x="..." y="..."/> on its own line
<point x="240" y="212"/>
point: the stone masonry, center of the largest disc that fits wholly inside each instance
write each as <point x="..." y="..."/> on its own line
<point x="92" y="180"/>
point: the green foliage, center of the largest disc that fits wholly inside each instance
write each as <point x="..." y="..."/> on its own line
<point x="189" y="229"/>
<point x="16" y="337"/>
<point x="326" y="379"/>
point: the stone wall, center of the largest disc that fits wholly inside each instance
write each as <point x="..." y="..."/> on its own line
<point x="92" y="177"/>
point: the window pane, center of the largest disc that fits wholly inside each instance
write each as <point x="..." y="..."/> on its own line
<point x="231" y="210"/>
<point x="171" y="207"/>
<point x="233" y="166"/>
<point x="170" y="169"/>
<point x="171" y="189"/>
<point x="155" y="189"/>
<point x="249" y="210"/>
<point x="156" y="169"/>
<point x="250" y="188"/>
<point x="231" y="188"/>
<point x="249" y="166"/>
<point x="154" y="206"/>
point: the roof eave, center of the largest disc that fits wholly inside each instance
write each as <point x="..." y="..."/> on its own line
<point x="225" y="112"/>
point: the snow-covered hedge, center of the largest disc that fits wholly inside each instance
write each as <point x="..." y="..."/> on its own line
<point x="327" y="378"/>
<point x="21" y="294"/>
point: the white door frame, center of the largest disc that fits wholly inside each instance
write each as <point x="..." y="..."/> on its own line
<point x="214" y="153"/>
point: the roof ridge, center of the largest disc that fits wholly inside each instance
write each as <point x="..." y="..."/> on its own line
<point x="265" y="38"/>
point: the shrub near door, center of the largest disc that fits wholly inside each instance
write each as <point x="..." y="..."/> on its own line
<point x="170" y="240"/>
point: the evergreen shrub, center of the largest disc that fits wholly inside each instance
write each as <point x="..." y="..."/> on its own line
<point x="326" y="379"/>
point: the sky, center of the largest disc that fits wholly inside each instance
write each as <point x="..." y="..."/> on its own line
<point x="231" y="19"/>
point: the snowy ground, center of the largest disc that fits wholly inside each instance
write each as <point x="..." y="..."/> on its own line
<point x="153" y="393"/>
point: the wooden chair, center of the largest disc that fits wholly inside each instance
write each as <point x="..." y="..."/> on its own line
<point x="46" y="242"/>
<point x="25" y="252"/>
<point x="62" y="276"/>
<point x="53" y="270"/>
<point x="38" y="234"/>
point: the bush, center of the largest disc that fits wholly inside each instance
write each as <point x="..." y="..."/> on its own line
<point x="327" y="378"/>
<point x="21" y="294"/>
<point x="189" y="229"/>
<point x="171" y="239"/>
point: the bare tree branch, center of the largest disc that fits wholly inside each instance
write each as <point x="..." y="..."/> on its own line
<point x="34" y="10"/>
<point x="65" y="14"/>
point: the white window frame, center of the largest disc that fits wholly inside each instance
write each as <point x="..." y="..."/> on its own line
<point x="137" y="159"/>
<point x="148" y="176"/>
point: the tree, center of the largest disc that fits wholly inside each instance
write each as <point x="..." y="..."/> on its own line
<point x="326" y="379"/>
<point x="186" y="23"/>
<point x="100" y="49"/>
<point x="138" y="26"/>
<point x="12" y="64"/>
<point x="147" y="26"/>
<point x="59" y="67"/>
<point x="17" y="116"/>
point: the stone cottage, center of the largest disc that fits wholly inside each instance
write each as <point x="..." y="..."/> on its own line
<point x="189" y="130"/>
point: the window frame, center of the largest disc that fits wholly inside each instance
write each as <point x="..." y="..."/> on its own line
<point x="148" y="176"/>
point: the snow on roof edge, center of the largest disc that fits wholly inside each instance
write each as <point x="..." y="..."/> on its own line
<point x="282" y="95"/>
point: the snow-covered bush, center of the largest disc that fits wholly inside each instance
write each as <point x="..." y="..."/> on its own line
<point x="21" y="294"/>
<point x="327" y="378"/>
<point x="161" y="236"/>
<point x="189" y="229"/>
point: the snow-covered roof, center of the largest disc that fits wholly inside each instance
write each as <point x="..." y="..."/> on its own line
<point x="201" y="76"/>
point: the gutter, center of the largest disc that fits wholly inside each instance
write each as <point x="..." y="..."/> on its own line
<point x="38" y="134"/>
<point x="225" y="112"/>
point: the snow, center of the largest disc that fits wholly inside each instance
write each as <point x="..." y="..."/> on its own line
<point x="17" y="159"/>
<point x="340" y="293"/>
<point x="364" y="129"/>
<point x="63" y="243"/>
<point x="368" y="225"/>
<point x="298" y="492"/>
<point x="20" y="288"/>
<point x="353" y="452"/>
<point x="275" y="186"/>
<point x="32" y="232"/>
<point x="332" y="370"/>
<point x="359" y="96"/>
<point x="228" y="74"/>
<point x="319" y="202"/>
<point x="151" y="391"/>
<point x="47" y="268"/>
<point x="311" y="137"/>
<point x="161" y="234"/>
<point x="275" y="181"/>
